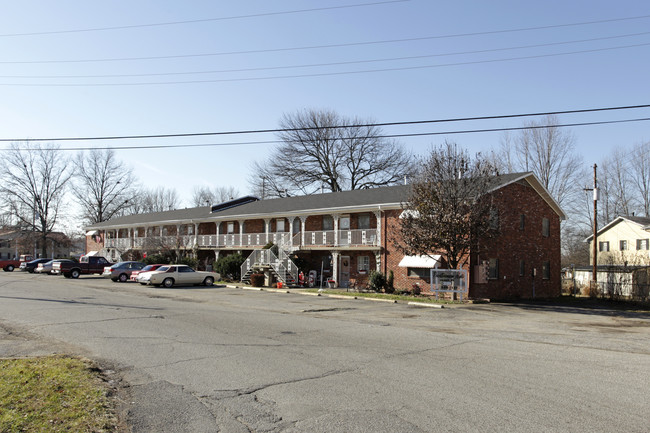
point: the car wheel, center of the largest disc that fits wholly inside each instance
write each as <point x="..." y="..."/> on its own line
<point x="123" y="278"/>
<point x="168" y="282"/>
<point x="10" y="268"/>
<point x="67" y="275"/>
<point x="144" y="284"/>
<point x="75" y="273"/>
<point x="208" y="281"/>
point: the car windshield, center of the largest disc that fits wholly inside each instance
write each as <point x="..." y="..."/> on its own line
<point x="148" y="268"/>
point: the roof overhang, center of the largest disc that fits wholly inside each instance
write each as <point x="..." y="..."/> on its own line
<point x="92" y="232"/>
<point x="419" y="261"/>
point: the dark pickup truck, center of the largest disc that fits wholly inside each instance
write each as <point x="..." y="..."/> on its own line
<point x="86" y="265"/>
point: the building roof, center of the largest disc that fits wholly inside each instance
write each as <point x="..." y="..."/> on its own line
<point x="390" y="197"/>
<point x="642" y="222"/>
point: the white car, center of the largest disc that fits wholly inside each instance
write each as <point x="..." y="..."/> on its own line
<point x="170" y="275"/>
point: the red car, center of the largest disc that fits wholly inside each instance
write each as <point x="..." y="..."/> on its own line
<point x="147" y="268"/>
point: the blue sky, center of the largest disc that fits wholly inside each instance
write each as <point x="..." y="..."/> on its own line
<point x="443" y="85"/>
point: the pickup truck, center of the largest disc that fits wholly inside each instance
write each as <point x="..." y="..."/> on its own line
<point x="86" y="265"/>
<point x="10" y="265"/>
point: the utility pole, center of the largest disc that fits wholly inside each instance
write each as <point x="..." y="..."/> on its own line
<point x="594" y="279"/>
<point x="594" y="271"/>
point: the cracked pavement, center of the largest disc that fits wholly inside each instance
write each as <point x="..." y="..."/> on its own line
<point x="225" y="360"/>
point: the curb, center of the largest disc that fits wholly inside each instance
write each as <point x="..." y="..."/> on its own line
<point x="425" y="304"/>
<point x="350" y="298"/>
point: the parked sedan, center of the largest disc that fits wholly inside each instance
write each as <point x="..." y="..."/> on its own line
<point x="31" y="266"/>
<point x="122" y="271"/>
<point x="170" y="275"/>
<point x="46" y="268"/>
<point x="145" y="270"/>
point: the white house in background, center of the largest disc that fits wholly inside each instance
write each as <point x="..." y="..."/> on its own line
<point x="624" y="241"/>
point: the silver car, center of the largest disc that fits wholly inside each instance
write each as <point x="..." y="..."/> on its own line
<point x="122" y="271"/>
<point x="170" y="275"/>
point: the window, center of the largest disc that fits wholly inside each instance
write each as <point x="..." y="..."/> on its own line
<point x="546" y="270"/>
<point x="642" y="244"/>
<point x="522" y="222"/>
<point x="363" y="263"/>
<point x="546" y="227"/>
<point x="603" y="246"/>
<point x="231" y="227"/>
<point x="522" y="268"/>
<point x="363" y="221"/>
<point x="623" y="245"/>
<point x="422" y="273"/>
<point x="493" y="270"/>
<point x="296" y="225"/>
<point x="494" y="219"/>
<point x="328" y="222"/>
<point x="279" y="225"/>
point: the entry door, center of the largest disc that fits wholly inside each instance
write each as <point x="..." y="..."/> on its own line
<point x="344" y="229"/>
<point x="344" y="272"/>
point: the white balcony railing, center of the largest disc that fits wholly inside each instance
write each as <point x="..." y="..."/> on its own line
<point x="287" y="241"/>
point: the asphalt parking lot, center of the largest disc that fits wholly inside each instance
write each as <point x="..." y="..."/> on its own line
<point x="227" y="359"/>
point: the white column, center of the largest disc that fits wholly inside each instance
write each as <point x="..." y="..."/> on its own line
<point x="241" y="232"/>
<point x="196" y="234"/>
<point x="335" y="266"/>
<point x="267" y="228"/>
<point x="336" y="229"/>
<point x="378" y="261"/>
<point x="303" y="220"/>
<point x="378" y="216"/>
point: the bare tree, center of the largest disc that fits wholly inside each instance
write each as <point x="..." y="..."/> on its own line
<point x="640" y="175"/>
<point x="104" y="185"/>
<point x="448" y="208"/>
<point x="615" y="186"/>
<point x="154" y="200"/>
<point x="321" y="149"/>
<point x="203" y="195"/>
<point x="547" y="151"/>
<point x="34" y="180"/>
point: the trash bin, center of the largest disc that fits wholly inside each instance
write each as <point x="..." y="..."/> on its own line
<point x="279" y="284"/>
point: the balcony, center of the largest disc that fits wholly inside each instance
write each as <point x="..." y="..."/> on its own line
<point x="312" y="239"/>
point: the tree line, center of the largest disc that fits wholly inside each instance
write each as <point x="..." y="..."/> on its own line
<point x="323" y="151"/>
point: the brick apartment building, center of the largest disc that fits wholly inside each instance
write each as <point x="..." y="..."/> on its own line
<point x="349" y="234"/>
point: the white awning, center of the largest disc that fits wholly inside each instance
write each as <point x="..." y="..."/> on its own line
<point x="420" y="261"/>
<point x="92" y="232"/>
<point x="92" y="253"/>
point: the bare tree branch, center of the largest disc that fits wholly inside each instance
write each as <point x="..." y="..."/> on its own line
<point x="34" y="184"/>
<point x="316" y="153"/>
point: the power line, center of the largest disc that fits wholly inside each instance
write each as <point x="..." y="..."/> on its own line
<point x="389" y="59"/>
<point x="420" y="134"/>
<point x="362" y="125"/>
<point x="313" y="47"/>
<point x="202" y="20"/>
<point x="322" y="74"/>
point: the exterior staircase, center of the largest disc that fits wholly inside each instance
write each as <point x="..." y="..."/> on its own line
<point x="263" y="261"/>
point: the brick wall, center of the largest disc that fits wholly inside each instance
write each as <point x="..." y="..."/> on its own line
<point x="95" y="243"/>
<point x="514" y="245"/>
<point x="510" y="247"/>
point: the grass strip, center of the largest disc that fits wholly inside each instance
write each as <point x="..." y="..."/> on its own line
<point x="53" y="394"/>
<point x="392" y="297"/>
